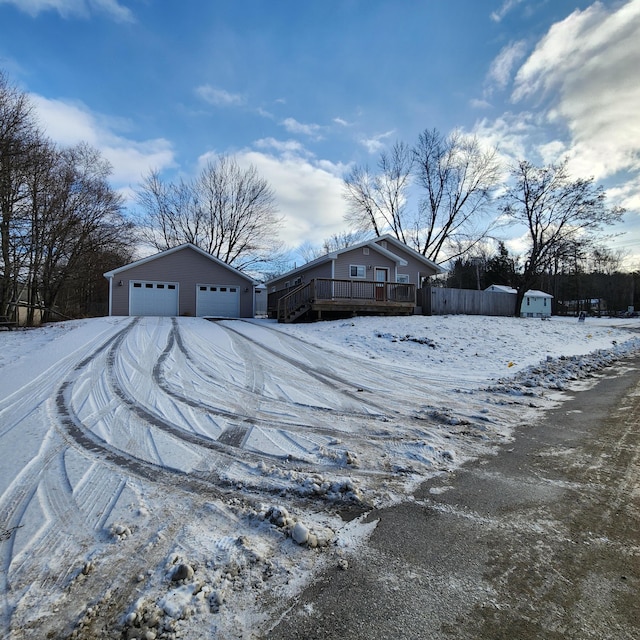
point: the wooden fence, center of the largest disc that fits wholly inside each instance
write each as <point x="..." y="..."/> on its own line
<point x="438" y="301"/>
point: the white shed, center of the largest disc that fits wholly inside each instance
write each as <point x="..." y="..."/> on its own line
<point x="535" y="304"/>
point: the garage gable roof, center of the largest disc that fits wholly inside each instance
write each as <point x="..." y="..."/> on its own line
<point x="182" y="247"/>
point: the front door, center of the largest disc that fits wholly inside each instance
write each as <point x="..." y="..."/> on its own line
<point x="381" y="275"/>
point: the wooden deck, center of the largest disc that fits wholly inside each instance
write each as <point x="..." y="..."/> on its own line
<point x="325" y="297"/>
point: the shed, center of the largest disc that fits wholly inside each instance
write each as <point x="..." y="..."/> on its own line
<point x="181" y="281"/>
<point x="535" y="304"/>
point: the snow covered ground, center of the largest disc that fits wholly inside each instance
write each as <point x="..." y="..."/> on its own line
<point x="180" y="478"/>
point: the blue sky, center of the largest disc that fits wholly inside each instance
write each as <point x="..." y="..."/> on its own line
<point x="304" y="89"/>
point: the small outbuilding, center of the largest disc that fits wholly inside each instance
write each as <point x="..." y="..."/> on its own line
<point x="535" y="304"/>
<point x="181" y="281"/>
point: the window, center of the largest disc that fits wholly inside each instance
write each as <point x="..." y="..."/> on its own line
<point x="403" y="278"/>
<point x="528" y="301"/>
<point x="148" y="285"/>
<point x="137" y="285"/>
<point x="545" y="302"/>
<point x="171" y="286"/>
<point x="365" y="251"/>
<point x="160" y="286"/>
<point x="357" y="271"/>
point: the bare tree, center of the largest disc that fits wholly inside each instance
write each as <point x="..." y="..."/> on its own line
<point x="457" y="177"/>
<point x="227" y="210"/>
<point x="18" y="135"/>
<point x="83" y="216"/>
<point x="557" y="212"/>
<point x="377" y="202"/>
<point x="335" y="242"/>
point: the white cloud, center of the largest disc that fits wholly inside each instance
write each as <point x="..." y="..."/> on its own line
<point x="375" y="144"/>
<point x="591" y="61"/>
<point x="308" y="194"/>
<point x="68" y="123"/>
<point x="479" y="104"/>
<point x="220" y="97"/>
<point x="75" y="8"/>
<point x="579" y="94"/>
<point x="293" y="126"/>
<point x="501" y="70"/>
<point x="506" y="7"/>
<point x="285" y="147"/>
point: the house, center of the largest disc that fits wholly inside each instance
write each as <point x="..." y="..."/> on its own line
<point x="535" y="304"/>
<point x="182" y="281"/>
<point x="377" y="276"/>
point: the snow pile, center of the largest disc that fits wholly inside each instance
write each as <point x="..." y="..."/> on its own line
<point x="178" y="478"/>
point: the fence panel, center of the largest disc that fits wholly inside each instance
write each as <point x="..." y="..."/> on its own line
<point x="437" y="301"/>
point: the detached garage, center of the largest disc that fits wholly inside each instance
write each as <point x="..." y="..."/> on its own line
<point x="185" y="281"/>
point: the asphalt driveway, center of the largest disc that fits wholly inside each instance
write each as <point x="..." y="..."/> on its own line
<point x="539" y="541"/>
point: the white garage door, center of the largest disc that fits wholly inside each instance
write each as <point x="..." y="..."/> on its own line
<point x="153" y="298"/>
<point x="220" y="301"/>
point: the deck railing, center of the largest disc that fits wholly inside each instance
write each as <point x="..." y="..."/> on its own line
<point x="330" y="289"/>
<point x="326" y="290"/>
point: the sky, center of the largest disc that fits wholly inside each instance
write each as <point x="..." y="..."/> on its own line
<point x="304" y="91"/>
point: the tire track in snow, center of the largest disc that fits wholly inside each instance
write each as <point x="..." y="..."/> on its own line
<point x="275" y="406"/>
<point x="280" y="431"/>
<point x="209" y="482"/>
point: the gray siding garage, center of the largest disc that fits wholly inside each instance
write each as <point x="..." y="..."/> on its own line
<point x="182" y="281"/>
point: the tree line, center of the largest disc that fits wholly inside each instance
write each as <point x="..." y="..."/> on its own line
<point x="439" y="197"/>
<point x="62" y="224"/>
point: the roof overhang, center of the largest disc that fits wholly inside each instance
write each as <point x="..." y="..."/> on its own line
<point x="188" y="245"/>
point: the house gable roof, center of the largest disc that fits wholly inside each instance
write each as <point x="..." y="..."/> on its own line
<point x="182" y="247"/>
<point x="372" y="243"/>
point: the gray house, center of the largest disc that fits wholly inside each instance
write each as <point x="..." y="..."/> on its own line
<point x="182" y="281"/>
<point x="376" y="276"/>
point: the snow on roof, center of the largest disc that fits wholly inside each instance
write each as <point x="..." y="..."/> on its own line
<point x="531" y="293"/>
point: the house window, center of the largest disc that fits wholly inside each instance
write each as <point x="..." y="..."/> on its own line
<point x="357" y="271"/>
<point x="137" y="285"/>
<point x="545" y="302"/>
<point x="171" y="286"/>
<point x="365" y="251"/>
<point x="528" y="301"/>
<point x="403" y="278"/>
